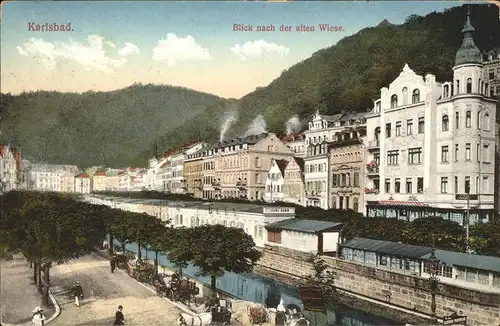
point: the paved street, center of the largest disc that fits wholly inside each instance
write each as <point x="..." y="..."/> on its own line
<point x="103" y="293"/>
<point x="18" y="293"/>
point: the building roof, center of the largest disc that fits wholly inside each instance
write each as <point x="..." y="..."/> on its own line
<point x="468" y="52"/>
<point x="82" y="175"/>
<point x="100" y="174"/>
<point x="249" y="140"/>
<point x="292" y="137"/>
<point x="485" y="263"/>
<point x="281" y="165"/>
<point x="306" y="226"/>
<point x="387" y="247"/>
<point x="300" y="162"/>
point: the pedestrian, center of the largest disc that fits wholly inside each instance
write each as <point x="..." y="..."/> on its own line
<point x="119" y="318"/>
<point x="181" y="321"/>
<point x="38" y="319"/>
<point x="112" y="262"/>
<point x="78" y="293"/>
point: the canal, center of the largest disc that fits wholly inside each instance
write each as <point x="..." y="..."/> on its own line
<point x="258" y="289"/>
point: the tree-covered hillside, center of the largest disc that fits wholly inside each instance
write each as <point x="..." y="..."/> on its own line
<point x="349" y="75"/>
<point x="123" y="127"/>
<point x="96" y="127"/>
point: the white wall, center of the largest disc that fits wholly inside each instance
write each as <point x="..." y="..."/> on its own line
<point x="330" y="241"/>
<point x="300" y="241"/>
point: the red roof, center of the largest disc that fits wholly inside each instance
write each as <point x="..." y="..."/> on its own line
<point x="291" y="137"/>
<point x="401" y="203"/>
<point x="164" y="164"/>
<point x="83" y="175"/>
<point x="100" y="173"/>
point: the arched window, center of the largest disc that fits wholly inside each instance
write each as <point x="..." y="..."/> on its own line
<point x="469" y="85"/>
<point x="446" y="91"/>
<point x="457" y="120"/>
<point x="394" y="101"/>
<point x="377" y="133"/>
<point x="445" y="123"/>
<point x="479" y="86"/>
<point x="468" y="119"/>
<point x="416" y="96"/>
<point x="405" y="95"/>
<point x="458" y="86"/>
<point x="486" y="121"/>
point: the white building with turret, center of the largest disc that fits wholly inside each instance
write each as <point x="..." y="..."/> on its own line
<point x="433" y="143"/>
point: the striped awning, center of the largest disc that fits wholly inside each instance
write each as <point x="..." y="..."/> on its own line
<point x="401" y="203"/>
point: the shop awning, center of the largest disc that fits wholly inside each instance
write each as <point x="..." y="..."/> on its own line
<point x="401" y="203"/>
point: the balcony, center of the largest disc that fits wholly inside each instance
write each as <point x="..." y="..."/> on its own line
<point x="373" y="144"/>
<point x="372" y="172"/>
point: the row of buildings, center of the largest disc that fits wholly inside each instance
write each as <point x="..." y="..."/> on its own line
<point x="278" y="227"/>
<point x="425" y="149"/>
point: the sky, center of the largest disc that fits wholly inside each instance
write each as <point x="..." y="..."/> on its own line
<point x="111" y="45"/>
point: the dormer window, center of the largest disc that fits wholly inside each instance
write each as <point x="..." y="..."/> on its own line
<point x="394" y="101"/>
<point x="416" y="96"/>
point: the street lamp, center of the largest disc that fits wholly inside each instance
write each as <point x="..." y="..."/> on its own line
<point x="433" y="262"/>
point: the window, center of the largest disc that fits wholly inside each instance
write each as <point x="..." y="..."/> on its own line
<point x="491" y="74"/>
<point x="334" y="180"/>
<point x="257" y="162"/>
<point x="477" y="185"/>
<point x="492" y="91"/>
<point x="444" y="185"/>
<point x="376" y="158"/>
<point x="457" y="120"/>
<point x="383" y="260"/>
<point x="416" y="96"/>
<point x="467" y="152"/>
<point x="398" y="128"/>
<point x="445" y="123"/>
<point x="444" y="154"/>
<point x="468" y="119"/>
<point x="409" y="127"/>
<point x="469" y="85"/>
<point x="446" y="91"/>
<point x="388" y="130"/>
<point x="405" y="95"/>
<point x="455" y="186"/>
<point x="456" y="152"/>
<point x="420" y="185"/>
<point x="486" y="150"/>
<point x="486" y="122"/>
<point x="409" y="186"/>
<point x="485" y="185"/>
<point x="458" y="86"/>
<point x="421" y="125"/>
<point x="467" y="185"/>
<point x="478" y="152"/>
<point x="355" y="204"/>
<point x="356" y="179"/>
<point x="394" y="101"/>
<point x="387" y="186"/>
<point x="392" y="157"/>
<point x="397" y="185"/>
<point x="415" y="155"/>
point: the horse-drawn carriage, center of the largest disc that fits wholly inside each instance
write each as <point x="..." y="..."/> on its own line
<point x="175" y="288"/>
<point x="258" y="314"/>
<point x="121" y="260"/>
<point x="144" y="272"/>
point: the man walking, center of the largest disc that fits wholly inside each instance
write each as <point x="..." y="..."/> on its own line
<point x="78" y="293"/>
<point x="119" y="318"/>
<point x="112" y="262"/>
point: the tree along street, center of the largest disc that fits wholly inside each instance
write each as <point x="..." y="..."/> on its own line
<point x="103" y="292"/>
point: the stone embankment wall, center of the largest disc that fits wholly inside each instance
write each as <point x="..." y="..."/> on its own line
<point x="398" y="290"/>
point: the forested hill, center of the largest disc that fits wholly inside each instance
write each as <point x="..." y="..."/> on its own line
<point x="123" y="127"/>
<point x="96" y="127"/>
<point x="349" y="75"/>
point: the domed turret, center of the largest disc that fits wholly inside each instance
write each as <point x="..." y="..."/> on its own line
<point x="468" y="52"/>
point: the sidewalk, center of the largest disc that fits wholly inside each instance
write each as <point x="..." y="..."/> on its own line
<point x="19" y="295"/>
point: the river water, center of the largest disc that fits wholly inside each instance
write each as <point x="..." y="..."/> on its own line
<point x="258" y="289"/>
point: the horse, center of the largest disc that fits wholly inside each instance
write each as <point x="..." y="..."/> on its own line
<point x="201" y="319"/>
